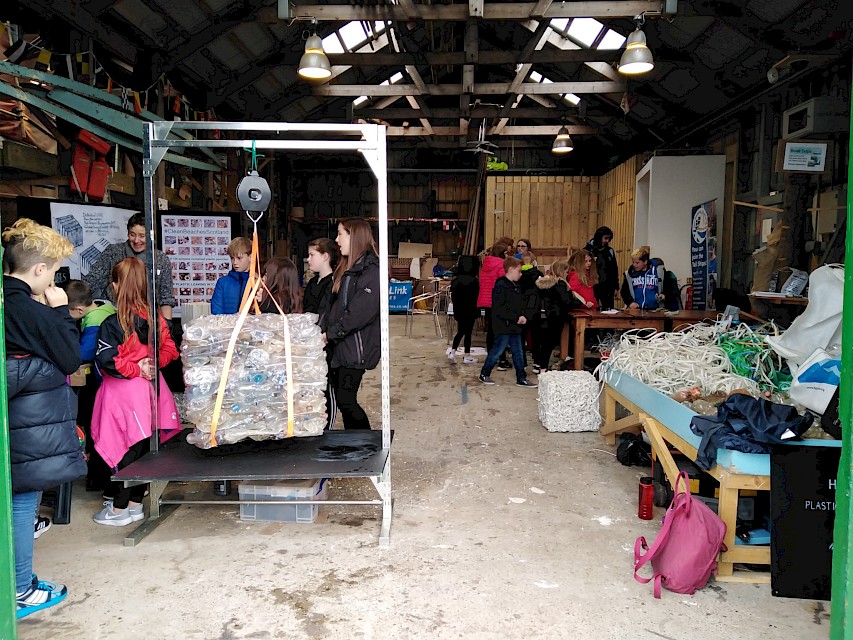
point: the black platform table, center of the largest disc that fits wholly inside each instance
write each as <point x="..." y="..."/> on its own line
<point x="335" y="454"/>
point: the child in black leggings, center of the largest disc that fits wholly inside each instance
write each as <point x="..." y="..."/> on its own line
<point x="463" y="293"/>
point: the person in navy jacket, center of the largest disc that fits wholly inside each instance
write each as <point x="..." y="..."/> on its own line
<point x="229" y="288"/>
<point x="41" y="350"/>
<point x="642" y="287"/>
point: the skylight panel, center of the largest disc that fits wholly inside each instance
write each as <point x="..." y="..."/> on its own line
<point x="352" y="34"/>
<point x="571" y="99"/>
<point x="332" y="44"/>
<point x="360" y="101"/>
<point x="397" y="77"/>
<point x="611" y="40"/>
<point x="535" y="76"/>
<point x="585" y="30"/>
<point x="559" y="24"/>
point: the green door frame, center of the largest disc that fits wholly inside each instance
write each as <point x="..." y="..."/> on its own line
<point x="8" y="620"/>
<point x="841" y="626"/>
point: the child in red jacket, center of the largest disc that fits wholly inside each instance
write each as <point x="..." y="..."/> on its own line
<point x="492" y="269"/>
<point x="583" y="276"/>
<point x="122" y="417"/>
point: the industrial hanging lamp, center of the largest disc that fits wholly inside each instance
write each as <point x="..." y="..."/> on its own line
<point x="637" y="58"/>
<point x="562" y="143"/>
<point x="314" y="65"/>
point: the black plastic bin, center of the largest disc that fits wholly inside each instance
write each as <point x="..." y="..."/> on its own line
<point x="802" y="516"/>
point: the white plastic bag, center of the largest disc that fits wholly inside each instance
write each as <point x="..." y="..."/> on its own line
<point x="816" y="380"/>
<point x="820" y="324"/>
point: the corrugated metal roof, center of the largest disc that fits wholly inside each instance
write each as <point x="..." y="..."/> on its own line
<point x="138" y="14"/>
<point x="683" y="31"/>
<point x="679" y="83"/>
<point x="228" y="52"/>
<point x="775" y="10"/>
<point x="721" y="45"/>
<point x="268" y="86"/>
<point x="255" y="37"/>
<point x="187" y="14"/>
<point x="217" y="5"/>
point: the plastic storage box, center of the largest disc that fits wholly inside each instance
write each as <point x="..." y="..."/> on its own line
<point x="314" y="489"/>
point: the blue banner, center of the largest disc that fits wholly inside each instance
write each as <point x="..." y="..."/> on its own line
<point x="703" y="254"/>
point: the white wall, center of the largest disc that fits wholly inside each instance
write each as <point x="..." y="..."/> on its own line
<point x="669" y="187"/>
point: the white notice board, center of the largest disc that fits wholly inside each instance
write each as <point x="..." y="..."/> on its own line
<point x="91" y="229"/>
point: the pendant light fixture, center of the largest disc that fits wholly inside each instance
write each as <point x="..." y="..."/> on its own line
<point x="636" y="58"/>
<point x="314" y="65"/>
<point x="562" y="143"/>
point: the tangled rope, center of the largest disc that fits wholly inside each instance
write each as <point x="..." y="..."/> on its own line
<point x="672" y="362"/>
<point x="568" y="401"/>
<point x="752" y="357"/>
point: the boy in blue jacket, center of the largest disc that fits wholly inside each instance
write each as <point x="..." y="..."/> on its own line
<point x="42" y="348"/>
<point x="229" y="288"/>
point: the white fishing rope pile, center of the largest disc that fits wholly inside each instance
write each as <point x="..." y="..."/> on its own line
<point x="672" y="362"/>
<point x="568" y="401"/>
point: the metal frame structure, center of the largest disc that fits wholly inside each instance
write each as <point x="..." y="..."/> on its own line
<point x="367" y="139"/>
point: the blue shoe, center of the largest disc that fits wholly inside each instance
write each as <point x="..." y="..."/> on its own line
<point x="41" y="595"/>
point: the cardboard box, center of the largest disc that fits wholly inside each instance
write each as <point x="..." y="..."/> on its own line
<point x="78" y="378"/>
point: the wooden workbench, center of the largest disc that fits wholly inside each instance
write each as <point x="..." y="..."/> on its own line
<point x="660" y="320"/>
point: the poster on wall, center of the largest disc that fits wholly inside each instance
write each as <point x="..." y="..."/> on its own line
<point x="91" y="229"/>
<point x="805" y="156"/>
<point x="703" y="254"/>
<point x="197" y="246"/>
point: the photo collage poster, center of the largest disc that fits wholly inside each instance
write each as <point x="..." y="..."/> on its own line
<point x="198" y="249"/>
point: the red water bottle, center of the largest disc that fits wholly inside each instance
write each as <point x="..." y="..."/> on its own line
<point x="646" y="510"/>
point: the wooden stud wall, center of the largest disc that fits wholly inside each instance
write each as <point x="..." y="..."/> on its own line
<point x="617" y="208"/>
<point x="553" y="212"/>
<point x="408" y="196"/>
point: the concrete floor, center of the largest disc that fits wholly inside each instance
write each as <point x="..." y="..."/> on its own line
<point x="501" y="530"/>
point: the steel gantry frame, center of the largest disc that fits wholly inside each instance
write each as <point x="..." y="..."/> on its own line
<point x="160" y="467"/>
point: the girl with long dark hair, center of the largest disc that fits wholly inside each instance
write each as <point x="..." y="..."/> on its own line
<point x="323" y="256"/>
<point x="282" y="280"/>
<point x="352" y="324"/>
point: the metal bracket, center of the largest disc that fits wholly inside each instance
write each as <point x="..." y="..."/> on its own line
<point x="149" y="165"/>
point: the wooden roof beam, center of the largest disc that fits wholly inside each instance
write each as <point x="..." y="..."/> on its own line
<point x="550" y="112"/>
<point x="484" y="88"/>
<point x="470" y="56"/>
<point x="491" y="11"/>
<point x="532" y="130"/>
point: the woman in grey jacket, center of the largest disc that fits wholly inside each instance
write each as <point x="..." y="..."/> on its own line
<point x="99" y="277"/>
<point x="351" y="327"/>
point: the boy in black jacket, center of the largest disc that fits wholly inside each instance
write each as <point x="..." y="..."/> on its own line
<point x="508" y="320"/>
<point x="42" y="348"/>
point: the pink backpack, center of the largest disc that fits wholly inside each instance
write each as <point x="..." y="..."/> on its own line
<point x="684" y="554"/>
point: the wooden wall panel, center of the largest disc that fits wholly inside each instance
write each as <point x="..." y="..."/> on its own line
<point x="553" y="212"/>
<point x="616" y="196"/>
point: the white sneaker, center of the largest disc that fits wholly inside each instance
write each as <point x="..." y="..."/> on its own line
<point x="112" y="518"/>
<point x="469" y="360"/>
<point x="451" y="355"/>
<point x="136" y="513"/>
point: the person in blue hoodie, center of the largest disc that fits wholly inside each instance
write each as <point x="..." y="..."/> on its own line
<point x="229" y="288"/>
<point x="642" y="286"/>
